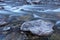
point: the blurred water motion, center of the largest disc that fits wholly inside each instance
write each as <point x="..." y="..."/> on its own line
<point x="16" y="12"/>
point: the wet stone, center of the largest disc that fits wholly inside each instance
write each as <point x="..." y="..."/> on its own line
<point x="2" y="20"/>
<point x="22" y="17"/>
<point x="44" y="2"/>
<point x="1" y="8"/>
<point x="33" y="1"/>
<point x="38" y="27"/>
<point x="5" y="30"/>
<point x="57" y="27"/>
<point x="15" y="36"/>
<point x="1" y="0"/>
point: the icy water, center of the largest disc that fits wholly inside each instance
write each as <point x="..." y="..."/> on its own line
<point x="52" y="10"/>
<point x="2" y="36"/>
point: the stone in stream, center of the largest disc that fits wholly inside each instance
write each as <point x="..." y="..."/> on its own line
<point x="1" y="8"/>
<point x="33" y="1"/>
<point x="38" y="27"/>
<point x="20" y="17"/>
<point x="44" y="2"/>
<point x="57" y="27"/>
<point x="1" y="0"/>
<point x="2" y="20"/>
<point x="15" y="36"/>
<point x="58" y="24"/>
<point x="5" y="30"/>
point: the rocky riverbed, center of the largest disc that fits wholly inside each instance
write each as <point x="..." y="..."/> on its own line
<point x="28" y="20"/>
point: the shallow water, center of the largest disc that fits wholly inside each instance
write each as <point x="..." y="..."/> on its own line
<point x="51" y="9"/>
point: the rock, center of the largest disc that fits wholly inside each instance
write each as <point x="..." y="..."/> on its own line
<point x="15" y="36"/>
<point x="1" y="8"/>
<point x="5" y="30"/>
<point x="57" y="26"/>
<point x="26" y="17"/>
<point x="2" y="23"/>
<point x="58" y="23"/>
<point x="44" y="2"/>
<point x="38" y="27"/>
<point x="1" y="0"/>
<point x="33" y="1"/>
<point x="2" y="20"/>
<point x="20" y="17"/>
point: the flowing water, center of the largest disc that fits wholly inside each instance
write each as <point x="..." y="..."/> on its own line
<point x="52" y="9"/>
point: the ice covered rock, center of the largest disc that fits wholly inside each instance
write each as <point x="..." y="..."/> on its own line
<point x="38" y="27"/>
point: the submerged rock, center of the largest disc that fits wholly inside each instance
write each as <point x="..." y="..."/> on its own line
<point x="1" y="0"/>
<point x="20" y="17"/>
<point x="57" y="26"/>
<point x="2" y="20"/>
<point x="15" y="36"/>
<point x="2" y="29"/>
<point x="38" y="27"/>
<point x="33" y="1"/>
<point x="1" y="8"/>
<point x="5" y="30"/>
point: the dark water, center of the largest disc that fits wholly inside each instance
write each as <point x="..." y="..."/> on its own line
<point x="2" y="36"/>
